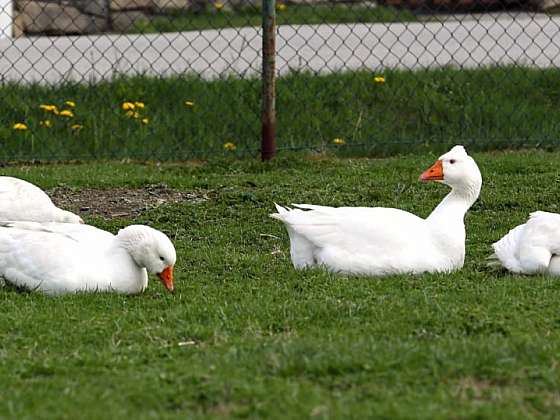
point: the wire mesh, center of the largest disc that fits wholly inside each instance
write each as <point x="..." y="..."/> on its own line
<point x="180" y="79"/>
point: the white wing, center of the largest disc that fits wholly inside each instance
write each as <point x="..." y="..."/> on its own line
<point x="21" y="200"/>
<point x="362" y="240"/>
<point x="50" y="257"/>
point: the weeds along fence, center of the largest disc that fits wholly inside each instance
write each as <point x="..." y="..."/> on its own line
<point x="182" y="79"/>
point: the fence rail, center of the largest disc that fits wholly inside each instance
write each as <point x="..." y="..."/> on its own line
<point x="103" y="54"/>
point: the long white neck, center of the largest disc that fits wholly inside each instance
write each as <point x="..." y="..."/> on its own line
<point x="134" y="239"/>
<point x="455" y="204"/>
<point x="448" y="226"/>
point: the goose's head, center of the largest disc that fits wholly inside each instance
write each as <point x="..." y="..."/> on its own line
<point x="151" y="249"/>
<point x="456" y="169"/>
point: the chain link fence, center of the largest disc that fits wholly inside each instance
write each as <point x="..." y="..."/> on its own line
<point x="181" y="79"/>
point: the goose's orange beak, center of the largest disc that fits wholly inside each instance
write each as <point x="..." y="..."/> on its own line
<point x="434" y="173"/>
<point x="166" y="277"/>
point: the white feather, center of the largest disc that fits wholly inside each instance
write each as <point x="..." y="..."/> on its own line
<point x="21" y="200"/>
<point x="533" y="247"/>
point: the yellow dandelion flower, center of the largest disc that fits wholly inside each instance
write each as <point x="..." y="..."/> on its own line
<point x="145" y="121"/>
<point x="379" y="80"/>
<point x="70" y="104"/>
<point x="49" y="108"/>
<point x="139" y="105"/>
<point x="218" y="6"/>
<point x="230" y="146"/>
<point x="133" y="114"/>
<point x="76" y="127"/>
<point x="66" y="113"/>
<point x="20" y="127"/>
<point x="189" y="104"/>
<point x="127" y="106"/>
<point x="281" y="7"/>
<point x="46" y="123"/>
<point x="338" y="141"/>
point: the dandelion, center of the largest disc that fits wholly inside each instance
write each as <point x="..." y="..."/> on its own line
<point x="49" y="108"/>
<point x="230" y="146"/>
<point x="339" y="142"/>
<point x="132" y="114"/>
<point x="145" y="121"/>
<point x="76" y="127"/>
<point x="218" y="6"/>
<point x="189" y="104"/>
<point x="66" y="113"/>
<point x="127" y="106"/>
<point x="70" y="104"/>
<point x="20" y="127"/>
<point x="281" y="7"/>
<point x="139" y="105"/>
<point x="379" y="80"/>
<point x="46" y="123"/>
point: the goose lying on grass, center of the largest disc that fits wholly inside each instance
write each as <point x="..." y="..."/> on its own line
<point x="382" y="241"/>
<point x="21" y="200"/>
<point x="57" y="258"/>
<point x="533" y="247"/>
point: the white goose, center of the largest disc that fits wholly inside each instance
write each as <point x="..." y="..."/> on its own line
<point x="21" y="200"/>
<point x="57" y="258"/>
<point x="382" y="241"/>
<point x="533" y="247"/>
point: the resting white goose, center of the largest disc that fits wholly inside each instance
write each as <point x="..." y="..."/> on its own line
<point x="21" y="200"/>
<point x="382" y="241"/>
<point x="57" y="258"/>
<point x="533" y="247"/>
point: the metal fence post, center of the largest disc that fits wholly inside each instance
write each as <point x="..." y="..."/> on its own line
<point x="268" y="118"/>
<point x="108" y="14"/>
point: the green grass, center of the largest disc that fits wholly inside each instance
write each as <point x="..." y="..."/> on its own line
<point x="411" y="112"/>
<point x="257" y="336"/>
<point x="291" y="15"/>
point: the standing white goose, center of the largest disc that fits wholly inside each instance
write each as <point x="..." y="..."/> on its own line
<point x="382" y="241"/>
<point x="57" y="258"/>
<point x="21" y="200"/>
<point x="533" y="247"/>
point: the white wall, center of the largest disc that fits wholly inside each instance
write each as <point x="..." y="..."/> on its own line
<point x="5" y="18"/>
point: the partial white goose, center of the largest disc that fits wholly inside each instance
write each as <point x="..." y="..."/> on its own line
<point x="57" y="258"/>
<point x="21" y="200"/>
<point x="533" y="247"/>
<point x="382" y="241"/>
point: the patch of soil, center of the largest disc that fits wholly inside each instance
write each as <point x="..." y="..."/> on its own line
<point x="119" y="202"/>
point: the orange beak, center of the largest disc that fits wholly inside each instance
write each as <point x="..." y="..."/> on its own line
<point x="166" y="277"/>
<point x="434" y="173"/>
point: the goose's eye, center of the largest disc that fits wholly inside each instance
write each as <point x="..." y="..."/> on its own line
<point x="161" y="258"/>
<point x="452" y="161"/>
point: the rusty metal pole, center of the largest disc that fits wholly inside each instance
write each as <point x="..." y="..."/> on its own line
<point x="108" y="15"/>
<point x="268" y="117"/>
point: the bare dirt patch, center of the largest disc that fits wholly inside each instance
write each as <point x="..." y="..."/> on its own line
<point x="119" y="202"/>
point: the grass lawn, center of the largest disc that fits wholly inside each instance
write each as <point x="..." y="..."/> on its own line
<point x="246" y="335"/>
<point x="285" y="15"/>
<point x="410" y="112"/>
